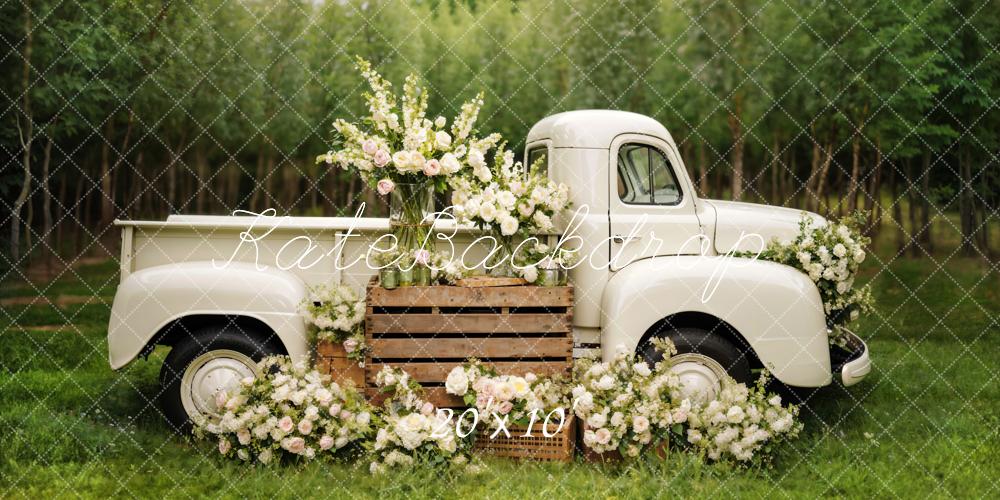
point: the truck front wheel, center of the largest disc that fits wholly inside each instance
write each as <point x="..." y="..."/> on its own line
<point x="703" y="362"/>
<point x="211" y="360"/>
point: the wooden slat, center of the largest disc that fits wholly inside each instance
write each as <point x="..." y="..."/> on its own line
<point x="438" y="396"/>
<point x="465" y="348"/>
<point x="469" y="323"/>
<point x="438" y="372"/>
<point x="453" y="296"/>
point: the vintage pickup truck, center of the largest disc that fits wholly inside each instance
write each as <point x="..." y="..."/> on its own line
<point x="223" y="291"/>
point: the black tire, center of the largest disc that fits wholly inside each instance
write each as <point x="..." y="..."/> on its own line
<point x="203" y="340"/>
<point x="696" y="340"/>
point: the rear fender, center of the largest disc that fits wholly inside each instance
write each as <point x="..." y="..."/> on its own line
<point x="150" y="299"/>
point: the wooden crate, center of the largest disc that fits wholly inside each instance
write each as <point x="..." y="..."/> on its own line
<point x="429" y="330"/>
<point x="331" y="359"/>
<point x="559" y="447"/>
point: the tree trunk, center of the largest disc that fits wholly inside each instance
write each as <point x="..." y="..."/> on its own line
<point x="775" y="151"/>
<point x="897" y="211"/>
<point x="736" y="130"/>
<point x="823" y="172"/>
<point x="200" y="185"/>
<point x="258" y="177"/>
<point x="46" y="205"/>
<point x="914" y="209"/>
<point x="107" y="197"/>
<point x="852" y="188"/>
<point x="875" y="193"/>
<point x="966" y="204"/>
<point x="26" y="137"/>
<point x="924" y="234"/>
<point x="810" y="189"/>
<point x="702" y="169"/>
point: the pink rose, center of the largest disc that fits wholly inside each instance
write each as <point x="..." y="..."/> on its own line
<point x="603" y="436"/>
<point x="295" y="445"/>
<point x="220" y="399"/>
<point x="286" y="424"/>
<point x="481" y="401"/>
<point x="350" y="345"/>
<point x="243" y="435"/>
<point x="344" y="414"/>
<point x="224" y="446"/>
<point x="369" y="147"/>
<point x="385" y="186"/>
<point x="432" y="168"/>
<point x="427" y="409"/>
<point x="305" y="426"/>
<point x="382" y="158"/>
<point x="334" y="409"/>
<point x="422" y="256"/>
<point x="505" y="407"/>
<point x="325" y="443"/>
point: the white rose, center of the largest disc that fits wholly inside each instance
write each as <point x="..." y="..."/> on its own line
<point x="457" y="382"/>
<point x="735" y="415"/>
<point x="605" y="383"/>
<point x="542" y="221"/>
<point x="839" y="250"/>
<point x="506" y="199"/>
<point x="597" y="420"/>
<point x="508" y="226"/>
<point x="442" y="140"/>
<point x="450" y="164"/>
<point x="640" y="424"/>
<point x="476" y="159"/>
<point x="642" y="369"/>
<point x="487" y="212"/>
<point x="859" y="256"/>
<point x="440" y="122"/>
<point x="530" y="274"/>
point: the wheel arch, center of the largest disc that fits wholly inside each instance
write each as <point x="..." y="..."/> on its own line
<point x="703" y="321"/>
<point x="192" y="325"/>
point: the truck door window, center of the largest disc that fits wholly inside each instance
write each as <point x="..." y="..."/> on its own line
<point x="540" y="155"/>
<point x="645" y="176"/>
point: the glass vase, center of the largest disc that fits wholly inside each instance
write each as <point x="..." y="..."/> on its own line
<point x="388" y="278"/>
<point x="406" y="276"/>
<point x="499" y="262"/>
<point x="421" y="275"/>
<point x="410" y="204"/>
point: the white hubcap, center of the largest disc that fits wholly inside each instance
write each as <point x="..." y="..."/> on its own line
<point x="213" y="371"/>
<point x="701" y="377"/>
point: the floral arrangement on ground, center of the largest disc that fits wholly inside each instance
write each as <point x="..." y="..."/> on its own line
<point x="289" y="413"/>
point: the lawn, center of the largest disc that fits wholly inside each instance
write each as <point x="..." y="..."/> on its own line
<point x="923" y="424"/>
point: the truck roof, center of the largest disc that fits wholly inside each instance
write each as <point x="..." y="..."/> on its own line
<point x="594" y="128"/>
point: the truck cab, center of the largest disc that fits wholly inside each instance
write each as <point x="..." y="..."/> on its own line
<point x="658" y="262"/>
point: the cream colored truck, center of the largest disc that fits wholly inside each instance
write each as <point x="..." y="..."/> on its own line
<point x="223" y="291"/>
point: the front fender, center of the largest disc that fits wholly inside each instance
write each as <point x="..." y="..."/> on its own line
<point x="149" y="299"/>
<point x="776" y="308"/>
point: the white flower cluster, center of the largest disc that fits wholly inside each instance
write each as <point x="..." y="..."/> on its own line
<point x="510" y="203"/>
<point x="742" y="423"/>
<point x="626" y="406"/>
<point x="830" y="254"/>
<point x="337" y="312"/>
<point x="287" y="411"/>
<point x="414" y="431"/>
<point x="411" y="150"/>
<point x="511" y="396"/>
<point x="621" y="402"/>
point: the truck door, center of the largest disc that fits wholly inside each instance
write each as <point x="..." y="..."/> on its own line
<point x="652" y="203"/>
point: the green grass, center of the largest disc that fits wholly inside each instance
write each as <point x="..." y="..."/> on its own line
<point x="923" y="424"/>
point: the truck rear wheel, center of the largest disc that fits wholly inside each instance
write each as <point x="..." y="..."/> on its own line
<point x="703" y="361"/>
<point x="198" y="367"/>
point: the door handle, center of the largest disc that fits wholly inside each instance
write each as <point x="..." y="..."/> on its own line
<point x="623" y="239"/>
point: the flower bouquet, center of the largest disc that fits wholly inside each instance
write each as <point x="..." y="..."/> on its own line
<point x="513" y="203"/>
<point x="399" y="152"/>
<point x="507" y="395"/>
<point x="413" y="431"/>
<point x="287" y="411"/>
<point x="337" y="312"/>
